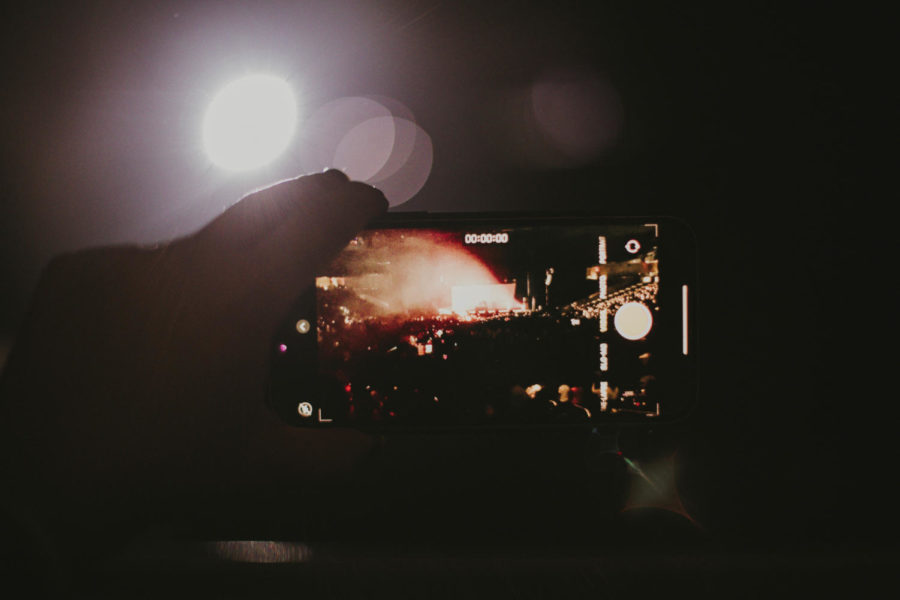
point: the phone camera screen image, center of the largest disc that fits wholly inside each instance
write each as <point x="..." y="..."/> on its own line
<point x="461" y="325"/>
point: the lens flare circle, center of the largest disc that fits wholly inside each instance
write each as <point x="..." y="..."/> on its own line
<point x="372" y="139"/>
<point x="250" y="122"/>
<point x="633" y="320"/>
<point x="364" y="151"/>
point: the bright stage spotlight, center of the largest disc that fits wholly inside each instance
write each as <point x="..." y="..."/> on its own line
<point x="249" y="123"/>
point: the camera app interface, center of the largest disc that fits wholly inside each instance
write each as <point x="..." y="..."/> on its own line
<point x="523" y="325"/>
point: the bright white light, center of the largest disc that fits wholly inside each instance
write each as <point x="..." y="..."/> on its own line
<point x="633" y="320"/>
<point x="250" y="122"/>
<point x="684" y="320"/>
<point x="492" y="296"/>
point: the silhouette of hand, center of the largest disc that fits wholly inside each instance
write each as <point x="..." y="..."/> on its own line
<point x="139" y="376"/>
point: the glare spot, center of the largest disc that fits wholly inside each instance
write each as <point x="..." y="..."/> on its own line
<point x="578" y="113"/>
<point x="371" y="139"/>
<point x="366" y="148"/>
<point x="250" y="122"/>
<point x="633" y="320"/>
<point x="330" y="124"/>
<point x="409" y="167"/>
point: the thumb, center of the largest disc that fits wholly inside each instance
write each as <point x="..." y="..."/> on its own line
<point x="260" y="214"/>
<point x="277" y="239"/>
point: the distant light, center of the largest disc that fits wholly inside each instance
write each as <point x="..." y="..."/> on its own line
<point x="250" y="122"/>
<point x="633" y="320"/>
<point x="282" y="348"/>
<point x="253" y="551"/>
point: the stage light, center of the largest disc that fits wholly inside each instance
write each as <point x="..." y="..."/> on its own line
<point x="250" y="122"/>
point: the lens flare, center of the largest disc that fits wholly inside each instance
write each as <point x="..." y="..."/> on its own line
<point x="249" y="123"/>
<point x="371" y="139"/>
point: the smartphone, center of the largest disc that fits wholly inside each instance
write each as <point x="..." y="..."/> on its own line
<point x="437" y="321"/>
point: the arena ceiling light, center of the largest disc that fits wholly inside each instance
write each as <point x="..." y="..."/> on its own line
<point x="250" y="122"/>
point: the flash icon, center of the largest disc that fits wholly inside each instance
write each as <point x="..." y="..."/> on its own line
<point x="305" y="409"/>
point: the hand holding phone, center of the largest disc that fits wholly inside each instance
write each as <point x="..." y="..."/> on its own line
<point x="137" y="381"/>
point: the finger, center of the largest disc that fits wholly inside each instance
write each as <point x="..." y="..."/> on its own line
<point x="269" y="246"/>
<point x="286" y="261"/>
<point x="317" y="228"/>
<point x="259" y="213"/>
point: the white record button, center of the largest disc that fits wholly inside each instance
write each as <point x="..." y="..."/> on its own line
<point x="633" y="320"/>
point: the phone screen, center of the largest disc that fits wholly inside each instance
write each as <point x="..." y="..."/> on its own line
<point x="468" y="324"/>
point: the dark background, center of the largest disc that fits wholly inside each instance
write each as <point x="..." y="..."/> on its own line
<point x="756" y="123"/>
